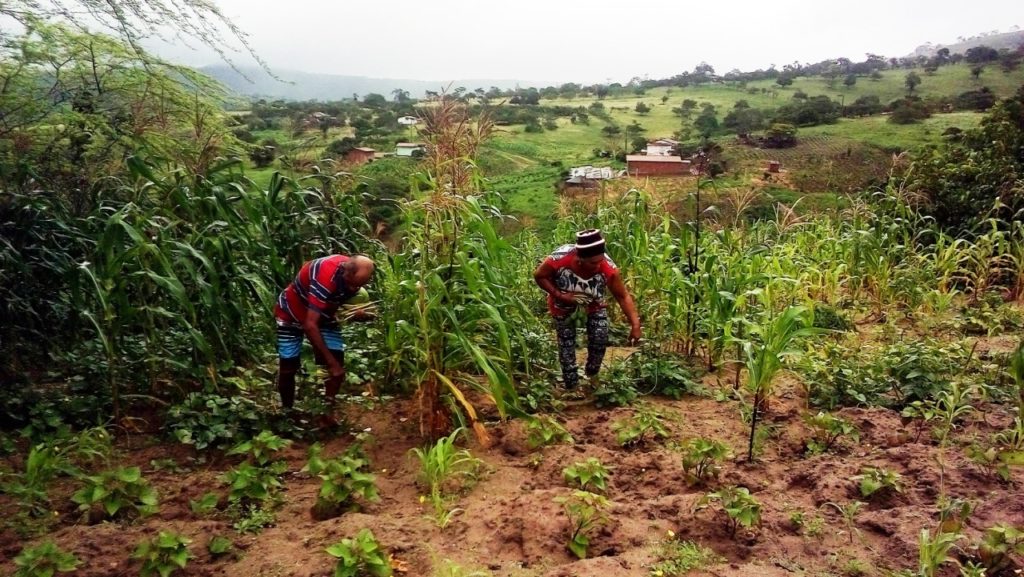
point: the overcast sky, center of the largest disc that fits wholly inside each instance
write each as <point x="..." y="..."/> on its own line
<point x="588" y="40"/>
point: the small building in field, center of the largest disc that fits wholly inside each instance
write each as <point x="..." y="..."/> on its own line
<point x="643" y="165"/>
<point x="408" y="149"/>
<point x="662" y="147"/>
<point x="588" y="176"/>
<point x="360" y="155"/>
<point x="408" y="120"/>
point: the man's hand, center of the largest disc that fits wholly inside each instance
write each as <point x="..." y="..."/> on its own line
<point x="565" y="298"/>
<point x="336" y="371"/>
<point x="634" y="336"/>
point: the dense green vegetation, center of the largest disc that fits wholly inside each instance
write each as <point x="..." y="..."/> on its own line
<point x="146" y="234"/>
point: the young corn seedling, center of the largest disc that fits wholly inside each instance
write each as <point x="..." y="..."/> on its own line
<point x="446" y="471"/>
<point x="934" y="551"/>
<point x="587" y="512"/>
<point x="589" y="475"/>
<point x="775" y="340"/>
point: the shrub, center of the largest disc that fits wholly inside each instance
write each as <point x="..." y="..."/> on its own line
<point x="587" y="475"/>
<point x="545" y="430"/>
<point x="587" y="512"/>
<point x="678" y="558"/>
<point x="117" y="493"/>
<point x="643" y="425"/>
<point x="826" y="430"/>
<point x="344" y="479"/>
<point x="164" y="554"/>
<point x="43" y="561"/>
<point x="701" y="458"/>
<point x="741" y="508"/>
<point x="360" y="557"/>
<point x="210" y="420"/>
<point x="877" y="481"/>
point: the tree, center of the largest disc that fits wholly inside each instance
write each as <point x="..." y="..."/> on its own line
<point x="784" y="80"/>
<point x="965" y="177"/>
<point x="780" y="136"/>
<point x="976" y="71"/>
<point x="642" y="108"/>
<point x="912" y="80"/>
<point x="401" y="96"/>
<point x="981" y="55"/>
<point x="374" y="100"/>
<point x="908" y="110"/>
<point x="875" y="75"/>
<point x="850" y="80"/>
<point x="263" y="155"/>
<point x="132" y="20"/>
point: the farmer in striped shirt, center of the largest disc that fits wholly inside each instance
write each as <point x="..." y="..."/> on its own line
<point x="306" y="309"/>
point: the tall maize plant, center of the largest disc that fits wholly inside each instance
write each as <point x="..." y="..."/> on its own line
<point x="452" y="292"/>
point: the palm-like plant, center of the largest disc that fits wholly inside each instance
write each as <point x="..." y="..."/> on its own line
<point x="775" y="340"/>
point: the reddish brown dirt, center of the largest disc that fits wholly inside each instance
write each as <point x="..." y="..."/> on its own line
<point x="511" y="525"/>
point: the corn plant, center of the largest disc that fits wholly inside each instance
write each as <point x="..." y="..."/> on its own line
<point x="741" y="508"/>
<point x="827" y="430"/>
<point x="933" y="552"/>
<point x="763" y="359"/>
<point x="446" y="471"/>
<point x="545" y="430"/>
<point x="116" y="493"/>
<point x="587" y="512"/>
<point x="361" y="556"/>
<point x="589" y="475"/>
<point x="1017" y="371"/>
<point x="44" y="560"/>
<point x="164" y="555"/>
<point x="702" y="459"/>
<point x="30" y="488"/>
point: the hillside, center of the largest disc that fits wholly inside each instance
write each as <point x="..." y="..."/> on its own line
<point x="298" y="85"/>
<point x="1007" y="40"/>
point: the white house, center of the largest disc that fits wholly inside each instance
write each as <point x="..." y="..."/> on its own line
<point x="408" y="120"/>
<point x="409" y="148"/>
<point x="661" y="147"/>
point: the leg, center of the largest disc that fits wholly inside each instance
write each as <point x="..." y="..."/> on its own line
<point x="286" y="381"/>
<point x="565" y="327"/>
<point x="597" y="341"/>
<point x="331" y="334"/>
<point x="289" y="344"/>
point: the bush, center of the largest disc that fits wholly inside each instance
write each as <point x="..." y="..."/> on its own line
<point x="210" y="420"/>
<point x="908" y="111"/>
<point x="980" y="100"/>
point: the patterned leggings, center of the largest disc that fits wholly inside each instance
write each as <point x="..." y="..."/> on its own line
<point x="597" y="342"/>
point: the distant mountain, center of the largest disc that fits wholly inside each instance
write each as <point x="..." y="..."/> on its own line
<point x="1009" y="40"/>
<point x="297" y="85"/>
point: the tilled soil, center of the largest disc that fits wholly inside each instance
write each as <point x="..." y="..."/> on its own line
<point x="511" y="525"/>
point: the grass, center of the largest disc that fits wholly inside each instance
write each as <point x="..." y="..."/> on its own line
<point x="878" y="131"/>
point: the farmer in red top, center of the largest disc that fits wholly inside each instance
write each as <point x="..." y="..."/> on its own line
<point x="306" y="308"/>
<point x="576" y="276"/>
